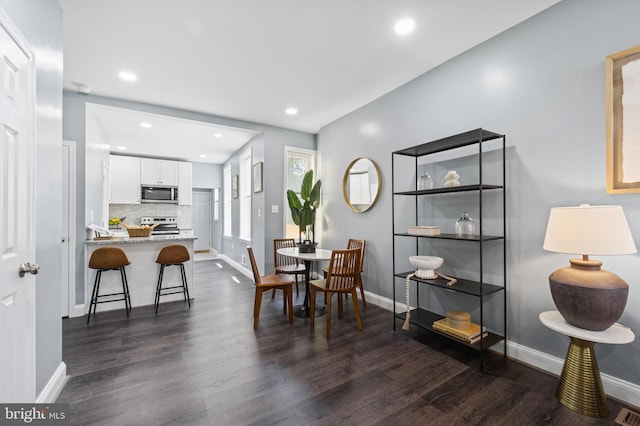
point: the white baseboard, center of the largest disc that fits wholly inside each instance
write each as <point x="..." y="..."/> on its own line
<point x="54" y="386"/>
<point x="240" y="268"/>
<point x="614" y="387"/>
<point x="77" y="311"/>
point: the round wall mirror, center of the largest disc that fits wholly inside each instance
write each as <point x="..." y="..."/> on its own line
<point x="361" y="184"/>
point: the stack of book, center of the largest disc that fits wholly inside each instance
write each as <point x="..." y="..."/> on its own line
<point x="468" y="335"/>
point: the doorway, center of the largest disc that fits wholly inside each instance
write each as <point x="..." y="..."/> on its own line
<point x="202" y="221"/>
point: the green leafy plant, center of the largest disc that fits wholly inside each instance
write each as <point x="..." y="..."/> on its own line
<point x="303" y="209"/>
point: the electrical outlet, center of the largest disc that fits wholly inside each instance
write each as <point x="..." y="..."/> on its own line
<point x="244" y="259"/>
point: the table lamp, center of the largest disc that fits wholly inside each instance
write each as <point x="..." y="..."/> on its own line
<point x="588" y="297"/>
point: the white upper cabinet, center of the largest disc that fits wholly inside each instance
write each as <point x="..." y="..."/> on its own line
<point x="158" y="172"/>
<point x="125" y="180"/>
<point x="185" y="179"/>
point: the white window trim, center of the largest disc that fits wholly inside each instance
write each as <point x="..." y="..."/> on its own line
<point x="244" y="194"/>
<point x="227" y="208"/>
<point x="316" y="176"/>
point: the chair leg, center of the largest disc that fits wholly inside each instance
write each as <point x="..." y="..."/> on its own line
<point x="284" y="299"/>
<point x="297" y="288"/>
<point x="329" y="297"/>
<point x="364" y="302"/>
<point x="290" y="300"/>
<point x="125" y="290"/>
<point x="159" y="287"/>
<point x="340" y="298"/>
<point x="256" y="307"/>
<point x="356" y="308"/>
<point x="184" y="285"/>
<point x="93" y="293"/>
<point x="273" y="294"/>
<point x="312" y="303"/>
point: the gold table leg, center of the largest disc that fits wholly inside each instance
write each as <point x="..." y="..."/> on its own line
<point x="580" y="387"/>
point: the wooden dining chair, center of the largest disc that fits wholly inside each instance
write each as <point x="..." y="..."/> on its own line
<point x="264" y="283"/>
<point x="361" y="244"/>
<point x="342" y="278"/>
<point x="286" y="264"/>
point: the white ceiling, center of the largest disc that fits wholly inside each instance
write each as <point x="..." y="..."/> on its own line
<point x="251" y="59"/>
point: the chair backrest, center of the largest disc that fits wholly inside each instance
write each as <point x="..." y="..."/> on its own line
<point x="280" y="260"/>
<point x="254" y="267"/>
<point x="343" y="269"/>
<point x="353" y="243"/>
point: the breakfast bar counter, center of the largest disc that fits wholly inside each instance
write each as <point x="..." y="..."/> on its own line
<point x="142" y="273"/>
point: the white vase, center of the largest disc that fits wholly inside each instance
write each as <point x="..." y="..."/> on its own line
<point x="451" y="179"/>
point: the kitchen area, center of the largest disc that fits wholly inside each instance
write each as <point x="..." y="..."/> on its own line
<point x="179" y="163"/>
<point x="149" y="209"/>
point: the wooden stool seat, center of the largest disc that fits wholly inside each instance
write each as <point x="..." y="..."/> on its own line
<point x="109" y="259"/>
<point x="173" y="255"/>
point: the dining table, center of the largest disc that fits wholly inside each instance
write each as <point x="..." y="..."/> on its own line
<point x="319" y="255"/>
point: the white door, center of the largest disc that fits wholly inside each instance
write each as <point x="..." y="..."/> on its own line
<point x="17" y="216"/>
<point x="202" y="221"/>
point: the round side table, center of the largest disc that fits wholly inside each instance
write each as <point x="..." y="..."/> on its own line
<point x="580" y="388"/>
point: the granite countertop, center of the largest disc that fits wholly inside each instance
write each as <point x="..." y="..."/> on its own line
<point x="150" y="239"/>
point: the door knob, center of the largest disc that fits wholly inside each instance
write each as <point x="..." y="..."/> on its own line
<point x="28" y="268"/>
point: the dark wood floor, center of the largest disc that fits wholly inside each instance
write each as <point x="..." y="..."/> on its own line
<point x="207" y="366"/>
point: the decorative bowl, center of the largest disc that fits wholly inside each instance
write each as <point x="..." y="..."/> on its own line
<point x="426" y="265"/>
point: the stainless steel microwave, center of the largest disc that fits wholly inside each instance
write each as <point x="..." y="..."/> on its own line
<point x="159" y="194"/>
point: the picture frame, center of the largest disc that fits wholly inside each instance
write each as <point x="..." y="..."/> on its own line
<point x="257" y="177"/>
<point x="623" y="118"/>
<point x="234" y="186"/>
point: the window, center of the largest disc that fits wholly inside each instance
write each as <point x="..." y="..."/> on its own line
<point x="226" y="218"/>
<point x="245" y="195"/>
<point x="297" y="162"/>
<point x="216" y="204"/>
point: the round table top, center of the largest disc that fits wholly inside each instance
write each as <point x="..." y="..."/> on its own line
<point x="320" y="254"/>
<point x="616" y="334"/>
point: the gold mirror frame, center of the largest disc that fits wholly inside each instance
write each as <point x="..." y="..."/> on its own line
<point x="366" y="201"/>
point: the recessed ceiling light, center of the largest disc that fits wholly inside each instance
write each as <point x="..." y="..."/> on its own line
<point x="122" y="148"/>
<point x="145" y="125"/>
<point x="127" y="76"/>
<point x="218" y="135"/>
<point x="404" y="26"/>
<point x="291" y="111"/>
<point x="203" y="156"/>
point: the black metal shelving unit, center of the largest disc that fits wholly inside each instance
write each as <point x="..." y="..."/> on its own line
<point x="477" y="288"/>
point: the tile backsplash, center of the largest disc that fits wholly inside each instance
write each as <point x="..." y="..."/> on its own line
<point x="133" y="212"/>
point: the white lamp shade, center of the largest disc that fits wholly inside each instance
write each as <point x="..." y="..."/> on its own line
<point x="589" y="230"/>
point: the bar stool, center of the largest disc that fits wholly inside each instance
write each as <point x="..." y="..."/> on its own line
<point x="172" y="255"/>
<point x="109" y="259"/>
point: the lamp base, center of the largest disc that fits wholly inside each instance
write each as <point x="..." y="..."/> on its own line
<point x="587" y="296"/>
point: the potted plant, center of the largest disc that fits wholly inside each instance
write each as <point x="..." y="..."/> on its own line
<point x="303" y="211"/>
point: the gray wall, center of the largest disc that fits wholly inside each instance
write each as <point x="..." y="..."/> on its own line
<point x="44" y="34"/>
<point x="267" y="147"/>
<point x="542" y="84"/>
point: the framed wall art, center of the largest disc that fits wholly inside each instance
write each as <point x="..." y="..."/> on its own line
<point x="623" y="121"/>
<point x="257" y="177"/>
<point x="234" y="186"/>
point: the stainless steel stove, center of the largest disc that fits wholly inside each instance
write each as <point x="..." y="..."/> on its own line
<point x="165" y="225"/>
